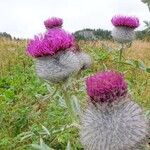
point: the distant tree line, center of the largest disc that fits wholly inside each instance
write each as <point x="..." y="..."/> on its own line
<point x="143" y="35"/>
<point x="5" y="35"/>
<point x="100" y="34"/>
<point x="103" y="34"/>
<point x="94" y="34"/>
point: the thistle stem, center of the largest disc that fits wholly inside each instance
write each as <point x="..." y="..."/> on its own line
<point x="68" y="102"/>
<point x="56" y="89"/>
<point x="120" y="55"/>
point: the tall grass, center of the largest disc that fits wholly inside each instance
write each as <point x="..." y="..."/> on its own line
<point x="29" y="110"/>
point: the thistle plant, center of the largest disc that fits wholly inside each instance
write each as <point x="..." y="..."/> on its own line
<point x="112" y="121"/>
<point x="55" y="52"/>
<point x="55" y="62"/>
<point x="56" y="55"/>
<point x="123" y="31"/>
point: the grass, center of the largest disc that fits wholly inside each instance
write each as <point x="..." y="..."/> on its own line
<point x="29" y="110"/>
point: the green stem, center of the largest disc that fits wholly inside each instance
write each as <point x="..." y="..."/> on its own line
<point x="120" y="55"/>
<point x="56" y="89"/>
<point x="68" y="102"/>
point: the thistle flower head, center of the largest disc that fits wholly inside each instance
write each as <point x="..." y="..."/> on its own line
<point x="107" y="87"/>
<point x="59" y="67"/>
<point x="50" y="43"/>
<point x="123" y="34"/>
<point x="125" y="21"/>
<point x="123" y="127"/>
<point x="53" y="22"/>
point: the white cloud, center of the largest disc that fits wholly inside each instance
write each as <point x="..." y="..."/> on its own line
<point x="25" y="18"/>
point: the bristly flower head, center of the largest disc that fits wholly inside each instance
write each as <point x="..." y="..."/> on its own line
<point x="126" y="21"/>
<point x="106" y="86"/>
<point x="48" y="44"/>
<point x="53" y="22"/>
<point x="58" y="68"/>
<point x="122" y="127"/>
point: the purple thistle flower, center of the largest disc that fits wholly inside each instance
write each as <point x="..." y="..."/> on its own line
<point x="107" y="86"/>
<point x="111" y="120"/>
<point x="125" y="21"/>
<point x="50" y="43"/>
<point x="56" y="52"/>
<point x="53" y="22"/>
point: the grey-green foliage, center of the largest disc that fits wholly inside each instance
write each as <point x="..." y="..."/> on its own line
<point x="41" y="146"/>
<point x="147" y="2"/>
<point x="121" y="126"/>
<point x="146" y="22"/>
<point x="147" y="25"/>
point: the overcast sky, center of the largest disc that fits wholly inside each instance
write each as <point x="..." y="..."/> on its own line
<point x="24" y="18"/>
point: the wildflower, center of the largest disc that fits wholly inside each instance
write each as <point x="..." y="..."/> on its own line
<point x="56" y="53"/>
<point x="123" y="31"/>
<point x="55" y="61"/>
<point x="50" y="43"/>
<point x="111" y="121"/>
<point x="106" y="87"/>
<point x="53" y="22"/>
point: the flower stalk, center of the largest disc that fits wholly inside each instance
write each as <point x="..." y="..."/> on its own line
<point x="68" y="102"/>
<point x="120" y="55"/>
